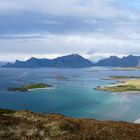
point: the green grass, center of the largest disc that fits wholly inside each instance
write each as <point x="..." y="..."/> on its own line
<point x="127" y="69"/>
<point x="34" y="86"/>
<point x="6" y="111"/>
<point x="125" y="77"/>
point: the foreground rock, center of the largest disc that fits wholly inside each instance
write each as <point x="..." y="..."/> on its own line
<point x="25" y="125"/>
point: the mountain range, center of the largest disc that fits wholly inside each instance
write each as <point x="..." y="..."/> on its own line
<point x="2" y="63"/>
<point x="69" y="61"/>
<point x="75" y="61"/>
<point x="114" y="61"/>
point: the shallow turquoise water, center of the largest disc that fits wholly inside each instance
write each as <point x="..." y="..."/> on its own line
<point x="74" y="96"/>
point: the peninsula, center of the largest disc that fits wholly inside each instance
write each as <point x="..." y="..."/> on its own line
<point x="126" y="84"/>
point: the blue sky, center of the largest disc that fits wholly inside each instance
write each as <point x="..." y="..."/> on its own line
<point x="92" y="28"/>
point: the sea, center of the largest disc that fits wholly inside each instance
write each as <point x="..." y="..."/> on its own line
<point x="72" y="93"/>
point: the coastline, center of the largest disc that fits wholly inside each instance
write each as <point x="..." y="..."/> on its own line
<point x="41" y="88"/>
<point x="124" y="85"/>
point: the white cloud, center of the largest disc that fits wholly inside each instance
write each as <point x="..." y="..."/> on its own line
<point x="49" y="46"/>
<point x="110" y="27"/>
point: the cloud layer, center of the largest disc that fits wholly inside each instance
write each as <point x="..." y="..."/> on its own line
<point x="47" y="28"/>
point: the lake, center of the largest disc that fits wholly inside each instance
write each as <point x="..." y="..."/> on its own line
<point x="72" y="94"/>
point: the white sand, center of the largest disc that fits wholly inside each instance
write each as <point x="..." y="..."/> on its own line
<point x="40" y="88"/>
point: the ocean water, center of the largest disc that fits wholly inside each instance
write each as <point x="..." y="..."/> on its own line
<point x="72" y="94"/>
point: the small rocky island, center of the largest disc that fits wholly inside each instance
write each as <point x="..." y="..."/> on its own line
<point x="126" y="84"/>
<point x="25" y="88"/>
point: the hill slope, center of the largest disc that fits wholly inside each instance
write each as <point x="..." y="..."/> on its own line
<point x="23" y="125"/>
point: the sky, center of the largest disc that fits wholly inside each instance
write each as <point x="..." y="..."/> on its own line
<point x="94" y="29"/>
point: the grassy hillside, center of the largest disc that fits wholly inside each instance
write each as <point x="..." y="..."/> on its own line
<point x="25" y="125"/>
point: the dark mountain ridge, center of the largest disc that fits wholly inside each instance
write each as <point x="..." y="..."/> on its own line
<point x="76" y="61"/>
<point x="69" y="61"/>
<point x="114" y="61"/>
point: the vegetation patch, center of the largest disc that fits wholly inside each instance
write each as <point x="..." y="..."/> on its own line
<point x="125" y="77"/>
<point x="6" y="111"/>
<point x="127" y="69"/>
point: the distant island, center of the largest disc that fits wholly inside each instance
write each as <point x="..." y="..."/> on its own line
<point x="69" y="61"/>
<point x="25" y="88"/>
<point x="127" y="84"/>
<point x="16" y="125"/>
